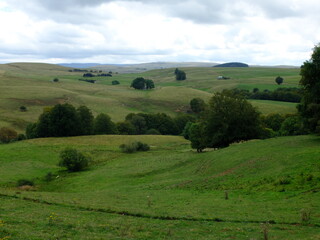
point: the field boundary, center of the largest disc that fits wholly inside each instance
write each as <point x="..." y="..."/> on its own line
<point x="146" y="216"/>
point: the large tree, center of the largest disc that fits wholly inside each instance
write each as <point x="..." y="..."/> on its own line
<point x="230" y="119"/>
<point x="103" y="125"/>
<point x="310" y="82"/>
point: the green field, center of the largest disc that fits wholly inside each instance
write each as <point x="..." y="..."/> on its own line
<point x="169" y="192"/>
<point x="259" y="189"/>
<point x="30" y="85"/>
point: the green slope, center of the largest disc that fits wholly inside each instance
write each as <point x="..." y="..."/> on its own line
<point x="266" y="180"/>
<point x="30" y="85"/>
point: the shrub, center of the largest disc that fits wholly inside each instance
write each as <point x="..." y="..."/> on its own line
<point x="134" y="147"/>
<point x="24" y="182"/>
<point x="73" y="160"/>
<point x="7" y="135"/>
<point x="23" y="108"/>
<point x="115" y="82"/>
<point x="55" y="80"/>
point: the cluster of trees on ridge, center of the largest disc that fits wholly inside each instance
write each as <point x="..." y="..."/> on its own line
<point x="64" y="120"/>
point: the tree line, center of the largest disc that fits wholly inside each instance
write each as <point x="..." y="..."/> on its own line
<point x="279" y="94"/>
<point x="63" y="120"/>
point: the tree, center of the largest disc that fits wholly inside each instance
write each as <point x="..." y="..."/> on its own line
<point x="230" y="119"/>
<point x="139" y="123"/>
<point x="85" y="120"/>
<point x="180" y="75"/>
<point x="103" y="125"/>
<point x="64" y="121"/>
<point x="149" y="84"/>
<point x="126" y="128"/>
<point x="197" y="136"/>
<point x="310" y="82"/>
<point x="55" y="80"/>
<point x="7" y="134"/>
<point x="141" y="83"/>
<point x="279" y="80"/>
<point x="197" y="105"/>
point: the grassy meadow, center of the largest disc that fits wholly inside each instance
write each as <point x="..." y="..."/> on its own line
<point x="31" y="85"/>
<point x="259" y="189"/>
<point x="170" y="192"/>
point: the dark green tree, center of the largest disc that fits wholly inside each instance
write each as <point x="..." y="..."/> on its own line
<point x="31" y="131"/>
<point x="126" y="128"/>
<point x="43" y="126"/>
<point x="141" y="83"/>
<point x="139" y="123"/>
<point x="180" y="75"/>
<point x="198" y="137"/>
<point x="64" y="121"/>
<point x="230" y="119"/>
<point x="149" y="84"/>
<point x="197" y="105"/>
<point x="85" y="120"/>
<point x="310" y="82"/>
<point x="279" y="80"/>
<point x="103" y="125"/>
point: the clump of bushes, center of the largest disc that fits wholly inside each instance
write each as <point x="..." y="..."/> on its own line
<point x="24" y="182"/>
<point x="73" y="160"/>
<point x="134" y="147"/>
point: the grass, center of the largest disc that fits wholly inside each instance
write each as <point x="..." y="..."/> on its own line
<point x="30" y="85"/>
<point x="169" y="192"/>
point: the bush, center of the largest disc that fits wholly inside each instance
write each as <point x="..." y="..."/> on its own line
<point x="23" y="108"/>
<point x="134" y="147"/>
<point x="73" y="160"/>
<point x="24" y="182"/>
<point x="115" y="82"/>
<point x="7" y="135"/>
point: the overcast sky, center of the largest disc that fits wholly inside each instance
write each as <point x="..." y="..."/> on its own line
<point x="263" y="32"/>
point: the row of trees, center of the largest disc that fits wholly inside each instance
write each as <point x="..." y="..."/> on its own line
<point x="65" y="120"/>
<point x="279" y="94"/>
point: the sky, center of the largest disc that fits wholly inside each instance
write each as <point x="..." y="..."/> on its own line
<point x="257" y="32"/>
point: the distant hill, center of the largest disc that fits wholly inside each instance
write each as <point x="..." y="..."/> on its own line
<point x="232" y="64"/>
<point x="79" y="65"/>
<point x="142" y="67"/>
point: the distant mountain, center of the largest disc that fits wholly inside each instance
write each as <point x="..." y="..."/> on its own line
<point x="232" y="64"/>
<point x="142" y="67"/>
<point x="79" y="65"/>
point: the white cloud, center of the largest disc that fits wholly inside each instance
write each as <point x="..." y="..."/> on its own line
<point x="112" y="31"/>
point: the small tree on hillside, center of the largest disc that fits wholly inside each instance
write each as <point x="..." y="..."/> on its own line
<point x="180" y="75"/>
<point x="279" y="80"/>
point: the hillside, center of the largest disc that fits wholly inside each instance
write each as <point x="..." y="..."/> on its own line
<point x="169" y="191"/>
<point x="31" y="85"/>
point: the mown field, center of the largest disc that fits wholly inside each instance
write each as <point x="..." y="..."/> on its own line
<point x="170" y="192"/>
<point x="31" y="85"/>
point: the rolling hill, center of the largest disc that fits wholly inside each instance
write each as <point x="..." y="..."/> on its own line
<point x="180" y="192"/>
<point x="31" y="85"/>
